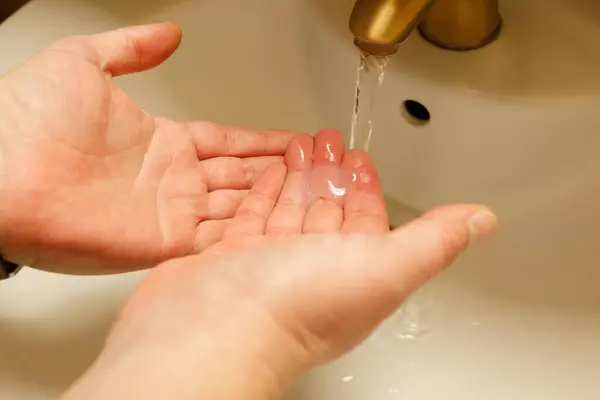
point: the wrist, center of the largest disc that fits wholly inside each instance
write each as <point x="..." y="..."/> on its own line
<point x="4" y="222"/>
<point x="11" y="239"/>
<point x="6" y="204"/>
<point x="15" y="210"/>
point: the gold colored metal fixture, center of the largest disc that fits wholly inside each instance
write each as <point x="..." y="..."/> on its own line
<point x="379" y="26"/>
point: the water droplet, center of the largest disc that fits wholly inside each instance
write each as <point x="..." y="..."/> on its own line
<point x="330" y="155"/>
<point x="365" y="177"/>
<point x="406" y="336"/>
<point x="336" y="191"/>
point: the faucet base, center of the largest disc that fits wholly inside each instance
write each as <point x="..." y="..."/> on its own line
<point x="462" y="24"/>
<point x="443" y="44"/>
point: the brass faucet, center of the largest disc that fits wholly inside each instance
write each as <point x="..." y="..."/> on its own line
<point x="379" y="26"/>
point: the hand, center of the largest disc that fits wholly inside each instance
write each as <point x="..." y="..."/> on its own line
<point x="318" y="190"/>
<point x="91" y="183"/>
<point x="243" y="321"/>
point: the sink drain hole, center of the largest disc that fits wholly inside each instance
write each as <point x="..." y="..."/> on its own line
<point x="415" y="112"/>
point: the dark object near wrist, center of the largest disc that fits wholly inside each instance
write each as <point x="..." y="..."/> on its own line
<point x="8" y="269"/>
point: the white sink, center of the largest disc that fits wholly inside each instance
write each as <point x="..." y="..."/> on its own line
<point x="514" y="125"/>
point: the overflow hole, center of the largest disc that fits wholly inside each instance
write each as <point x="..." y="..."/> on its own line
<point x="415" y="112"/>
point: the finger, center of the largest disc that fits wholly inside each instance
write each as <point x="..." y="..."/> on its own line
<point x="223" y="204"/>
<point x="364" y="205"/>
<point x="325" y="177"/>
<point x="209" y="233"/>
<point x="235" y="173"/>
<point x="323" y="216"/>
<point x="252" y="215"/>
<point x="289" y="212"/>
<point x="325" y="213"/>
<point x="424" y="247"/>
<point x="214" y="140"/>
<point x="128" y="50"/>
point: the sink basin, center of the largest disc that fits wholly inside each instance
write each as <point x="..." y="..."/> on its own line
<point x="513" y="125"/>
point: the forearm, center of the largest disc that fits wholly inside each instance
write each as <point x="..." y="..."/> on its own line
<point x="172" y="379"/>
<point x="219" y="364"/>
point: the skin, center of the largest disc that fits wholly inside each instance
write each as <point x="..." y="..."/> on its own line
<point x="297" y="281"/>
<point x="101" y="186"/>
<point x="287" y="262"/>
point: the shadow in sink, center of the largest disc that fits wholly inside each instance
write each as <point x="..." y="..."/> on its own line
<point x="8" y="7"/>
<point x="46" y="354"/>
<point x="131" y="10"/>
<point x="546" y="48"/>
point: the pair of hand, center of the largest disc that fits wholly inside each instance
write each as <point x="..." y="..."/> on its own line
<point x="91" y="183"/>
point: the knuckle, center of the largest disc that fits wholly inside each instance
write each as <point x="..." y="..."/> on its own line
<point x="229" y="138"/>
<point x="135" y="47"/>
<point x="447" y="243"/>
<point x="249" y="172"/>
<point x="250" y="213"/>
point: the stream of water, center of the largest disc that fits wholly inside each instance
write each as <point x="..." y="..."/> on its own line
<point x="416" y="316"/>
<point x="369" y="79"/>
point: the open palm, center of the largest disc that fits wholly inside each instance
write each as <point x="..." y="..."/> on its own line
<point x="92" y="183"/>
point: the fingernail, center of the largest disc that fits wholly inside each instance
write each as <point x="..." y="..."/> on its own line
<point x="481" y="225"/>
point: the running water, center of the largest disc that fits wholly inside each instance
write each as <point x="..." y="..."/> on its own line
<point x="416" y="316"/>
<point x="369" y="79"/>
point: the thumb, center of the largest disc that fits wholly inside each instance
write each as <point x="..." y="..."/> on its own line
<point x="431" y="243"/>
<point x="131" y="49"/>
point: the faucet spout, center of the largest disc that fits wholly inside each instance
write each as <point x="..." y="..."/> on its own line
<point x="379" y="26"/>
